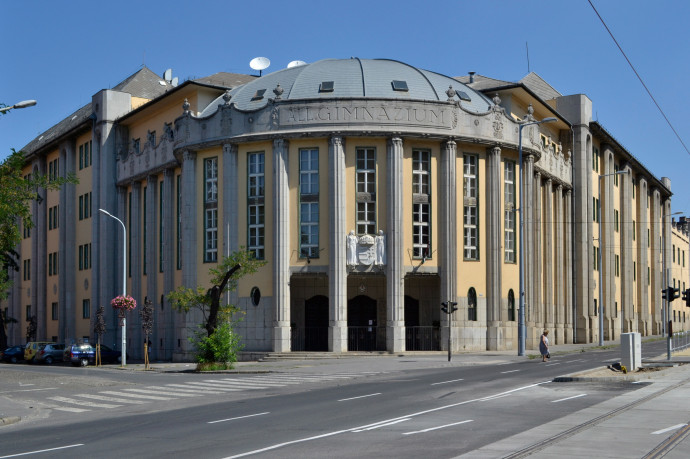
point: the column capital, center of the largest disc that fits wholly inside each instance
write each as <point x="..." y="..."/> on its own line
<point x="450" y="143"/>
<point x="335" y="140"/>
<point x="395" y="142"/>
<point x="230" y="148"/>
<point x="494" y="150"/>
<point x="188" y="155"/>
<point x="280" y="143"/>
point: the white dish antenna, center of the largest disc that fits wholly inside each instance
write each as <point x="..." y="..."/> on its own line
<point x="167" y="75"/>
<point x="175" y="81"/>
<point x="259" y="63"/>
<point x="296" y="64"/>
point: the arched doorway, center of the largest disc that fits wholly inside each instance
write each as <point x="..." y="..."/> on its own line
<point x="316" y="324"/>
<point x="361" y="324"/>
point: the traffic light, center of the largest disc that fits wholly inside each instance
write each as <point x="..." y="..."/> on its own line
<point x="686" y="297"/>
<point x="449" y="307"/>
<point x="664" y="294"/>
<point x="444" y="307"/>
<point x="673" y="293"/>
<point x="452" y="306"/>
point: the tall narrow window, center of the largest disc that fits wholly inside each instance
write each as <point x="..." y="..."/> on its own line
<point x="255" y="204"/>
<point x="615" y="219"/>
<point x="618" y="265"/>
<point x="366" y="191"/>
<point x="85" y="309"/>
<point x="54" y="311"/>
<point x="309" y="202"/>
<point x="509" y="212"/>
<point x="211" y="210"/>
<point x="511" y="305"/>
<point x="421" y="204"/>
<point x="470" y="207"/>
<point x="472" y="304"/>
<point x="634" y="226"/>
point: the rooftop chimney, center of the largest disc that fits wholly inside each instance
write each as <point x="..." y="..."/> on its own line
<point x="471" y="76"/>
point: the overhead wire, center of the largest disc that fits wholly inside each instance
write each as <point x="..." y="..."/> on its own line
<point x="639" y="77"/>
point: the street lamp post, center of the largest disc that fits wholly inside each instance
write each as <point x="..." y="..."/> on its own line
<point x="521" y="311"/>
<point x="601" y="270"/>
<point x="124" y="283"/>
<point x="666" y="308"/>
<point x="22" y="104"/>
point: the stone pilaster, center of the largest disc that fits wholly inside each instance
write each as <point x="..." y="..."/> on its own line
<point x="337" y="270"/>
<point x="151" y="222"/>
<point x="39" y="284"/>
<point x="448" y="232"/>
<point x="548" y="255"/>
<point x="568" y="262"/>
<point x="628" y="319"/>
<point x="229" y="230"/>
<point x="281" y="247"/>
<point x="537" y="306"/>
<point x="607" y="245"/>
<point x="527" y="184"/>
<point x="494" y="262"/>
<point x="559" y="280"/>
<point x="67" y="287"/>
<point x="165" y="323"/>
<point x="655" y="263"/>
<point x="135" y="252"/>
<point x="643" y="261"/>
<point x="395" y="287"/>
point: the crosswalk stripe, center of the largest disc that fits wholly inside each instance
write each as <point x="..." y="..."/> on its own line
<point x="186" y="388"/>
<point x="82" y="402"/>
<point x="305" y="377"/>
<point x="70" y="409"/>
<point x="157" y="392"/>
<point x="274" y="380"/>
<point x="125" y="394"/>
<point x="109" y="399"/>
<point x="246" y="384"/>
<point x="212" y="386"/>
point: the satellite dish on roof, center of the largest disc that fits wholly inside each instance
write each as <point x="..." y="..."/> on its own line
<point x="167" y="75"/>
<point x="259" y="63"/>
<point x="296" y="64"/>
<point x="175" y="81"/>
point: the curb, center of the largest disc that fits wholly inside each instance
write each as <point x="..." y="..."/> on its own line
<point x="9" y="420"/>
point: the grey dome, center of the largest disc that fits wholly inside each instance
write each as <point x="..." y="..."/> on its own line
<point x="353" y="78"/>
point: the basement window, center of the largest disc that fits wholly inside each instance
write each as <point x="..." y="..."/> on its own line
<point x="399" y="85"/>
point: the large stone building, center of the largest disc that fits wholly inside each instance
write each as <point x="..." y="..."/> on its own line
<point x="374" y="190"/>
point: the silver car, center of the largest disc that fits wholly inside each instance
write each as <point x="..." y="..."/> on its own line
<point x="49" y="353"/>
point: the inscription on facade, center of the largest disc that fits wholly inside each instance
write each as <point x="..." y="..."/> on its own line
<point x="437" y="116"/>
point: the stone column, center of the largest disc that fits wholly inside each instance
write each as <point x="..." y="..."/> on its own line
<point x="627" y="318"/>
<point x="395" y="277"/>
<point x="230" y="202"/>
<point x="608" y="244"/>
<point x="527" y="181"/>
<point x="643" y="261"/>
<point x="165" y="319"/>
<point x="448" y="234"/>
<point x="568" y="263"/>
<point x="558" y="281"/>
<point x="494" y="263"/>
<point x="537" y="305"/>
<point x="67" y="287"/>
<point x="548" y="254"/>
<point x="190" y="219"/>
<point x="281" y="247"/>
<point x="337" y="270"/>
<point x="151" y="228"/>
<point x="655" y="263"/>
<point x="135" y="240"/>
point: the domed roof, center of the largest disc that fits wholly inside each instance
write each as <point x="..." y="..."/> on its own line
<point x="353" y="78"/>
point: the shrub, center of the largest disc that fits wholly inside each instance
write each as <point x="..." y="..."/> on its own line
<point x="219" y="348"/>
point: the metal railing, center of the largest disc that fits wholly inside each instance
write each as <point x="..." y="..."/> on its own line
<point x="422" y="338"/>
<point x="366" y="338"/>
<point x="680" y="341"/>
<point x="314" y="339"/>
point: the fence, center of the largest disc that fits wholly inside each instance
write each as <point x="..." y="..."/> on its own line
<point x="680" y="341"/>
<point x="422" y="339"/>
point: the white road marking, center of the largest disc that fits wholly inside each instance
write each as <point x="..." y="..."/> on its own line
<point x="361" y="396"/>
<point x="82" y="402"/>
<point x="668" y="429"/>
<point x="551" y="364"/>
<point x="25" y="385"/>
<point x="509" y="371"/>
<point x="27" y="390"/>
<point x="158" y="393"/>
<point x="576" y="360"/>
<point x="446" y="382"/>
<point x="249" y="383"/>
<point x="211" y="386"/>
<point x="419" y="413"/>
<point x="69" y="408"/>
<point x="125" y="394"/>
<point x="383" y="425"/>
<point x="42" y="451"/>
<point x="239" y="417"/>
<point x="568" y="398"/>
<point x="494" y="397"/>
<point x="109" y="399"/>
<point x="197" y="390"/>
<point x="439" y="427"/>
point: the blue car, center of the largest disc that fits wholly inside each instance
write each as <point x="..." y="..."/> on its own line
<point x="13" y="354"/>
<point x="85" y="354"/>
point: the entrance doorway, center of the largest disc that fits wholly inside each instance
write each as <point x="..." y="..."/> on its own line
<point x="316" y="324"/>
<point x="361" y="324"/>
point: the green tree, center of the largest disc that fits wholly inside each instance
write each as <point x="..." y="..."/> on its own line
<point x="16" y="194"/>
<point x="224" y="278"/>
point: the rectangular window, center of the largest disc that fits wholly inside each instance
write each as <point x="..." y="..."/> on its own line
<point x="309" y="202"/>
<point x="470" y="207"/>
<point x="648" y="238"/>
<point x="634" y="271"/>
<point x="28" y="311"/>
<point x="615" y="220"/>
<point x="81" y="257"/>
<point x="54" y="311"/>
<point x="255" y="204"/>
<point x="595" y="159"/>
<point x="50" y="218"/>
<point x="509" y="212"/>
<point x="160" y="227"/>
<point x="81" y="157"/>
<point x="596" y="258"/>
<point x="634" y="230"/>
<point x="366" y="190"/>
<point x="421" y="207"/>
<point x="87" y="256"/>
<point x="178" y="205"/>
<point x="86" y="309"/>
<point x="618" y="265"/>
<point x="81" y="207"/>
<point x="27" y="270"/>
<point x="50" y="264"/>
<point x="633" y="188"/>
<point x="673" y="250"/>
<point x="87" y="154"/>
<point x="615" y="177"/>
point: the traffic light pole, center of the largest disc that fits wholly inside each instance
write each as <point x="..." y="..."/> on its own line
<point x="669" y="328"/>
<point x="449" y="308"/>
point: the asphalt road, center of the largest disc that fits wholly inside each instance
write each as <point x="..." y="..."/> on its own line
<point x="404" y="407"/>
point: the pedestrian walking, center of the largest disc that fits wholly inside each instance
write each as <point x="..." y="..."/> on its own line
<point x="544" y="346"/>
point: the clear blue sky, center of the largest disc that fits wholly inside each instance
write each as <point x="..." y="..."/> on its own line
<point x="61" y="53"/>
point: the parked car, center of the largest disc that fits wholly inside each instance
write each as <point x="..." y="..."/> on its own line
<point x="13" y="354"/>
<point x="32" y="347"/>
<point x="85" y="354"/>
<point x="49" y="353"/>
